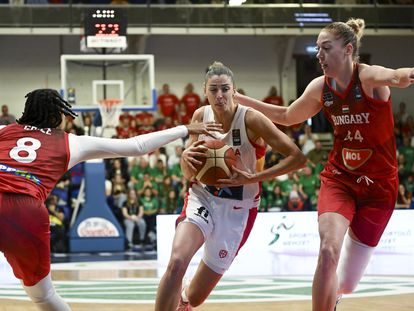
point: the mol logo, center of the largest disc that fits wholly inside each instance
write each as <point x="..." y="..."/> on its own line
<point x="354" y="158"/>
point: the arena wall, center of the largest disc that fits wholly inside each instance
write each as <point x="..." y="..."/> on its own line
<point x="29" y="62"/>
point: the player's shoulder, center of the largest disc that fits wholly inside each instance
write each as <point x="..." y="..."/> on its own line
<point x="250" y="111"/>
<point x="363" y="68"/>
<point x="366" y="71"/>
<point x="2" y="127"/>
<point x="254" y="117"/>
<point x="314" y="89"/>
<point x="317" y="83"/>
<point x="199" y="113"/>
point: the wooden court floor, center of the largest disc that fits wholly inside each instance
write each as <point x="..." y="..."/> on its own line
<point x="402" y="302"/>
<point x="386" y="303"/>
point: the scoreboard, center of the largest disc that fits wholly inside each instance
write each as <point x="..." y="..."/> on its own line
<point x="105" y="28"/>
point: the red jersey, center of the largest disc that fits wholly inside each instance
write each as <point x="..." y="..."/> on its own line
<point x="181" y="118"/>
<point x="167" y="104"/>
<point x="144" y="117"/>
<point x="192" y="102"/>
<point x="122" y="132"/>
<point x="125" y="115"/>
<point x="32" y="160"/>
<point x="274" y="100"/>
<point x="364" y="141"/>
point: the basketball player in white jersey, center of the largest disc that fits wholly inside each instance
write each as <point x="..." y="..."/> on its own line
<point x="222" y="218"/>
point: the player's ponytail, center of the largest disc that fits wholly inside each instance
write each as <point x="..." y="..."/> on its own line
<point x="44" y="108"/>
<point x="357" y="25"/>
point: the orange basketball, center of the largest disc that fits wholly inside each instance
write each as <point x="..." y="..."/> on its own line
<point x="218" y="163"/>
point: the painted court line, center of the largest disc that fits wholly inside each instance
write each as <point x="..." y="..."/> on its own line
<point x="266" y="289"/>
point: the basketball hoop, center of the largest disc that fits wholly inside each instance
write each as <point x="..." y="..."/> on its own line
<point x="110" y="110"/>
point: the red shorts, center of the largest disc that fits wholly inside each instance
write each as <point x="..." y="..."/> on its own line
<point x="25" y="236"/>
<point x="368" y="206"/>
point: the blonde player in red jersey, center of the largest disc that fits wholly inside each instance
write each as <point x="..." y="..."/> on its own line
<point x="34" y="154"/>
<point x="359" y="183"/>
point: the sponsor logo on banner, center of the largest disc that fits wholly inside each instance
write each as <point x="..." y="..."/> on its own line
<point x="97" y="227"/>
<point x="355" y="158"/>
<point x="276" y="230"/>
<point x="106" y="42"/>
<point x="295" y="252"/>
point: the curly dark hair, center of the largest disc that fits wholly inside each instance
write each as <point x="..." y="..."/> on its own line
<point x="44" y="108"/>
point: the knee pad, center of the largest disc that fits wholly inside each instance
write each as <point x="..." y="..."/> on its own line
<point x="352" y="263"/>
<point x="43" y="294"/>
<point x="41" y="291"/>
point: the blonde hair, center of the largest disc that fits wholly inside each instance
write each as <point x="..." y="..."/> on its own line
<point x="218" y="69"/>
<point x="350" y="32"/>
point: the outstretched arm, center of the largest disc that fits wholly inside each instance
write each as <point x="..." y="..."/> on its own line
<point x="275" y="113"/>
<point x="84" y="148"/>
<point x="377" y="76"/>
<point x="306" y="106"/>
<point x="262" y="127"/>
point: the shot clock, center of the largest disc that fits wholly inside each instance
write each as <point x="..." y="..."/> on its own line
<point x="105" y="28"/>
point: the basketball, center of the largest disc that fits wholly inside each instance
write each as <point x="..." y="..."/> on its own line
<point x="217" y="164"/>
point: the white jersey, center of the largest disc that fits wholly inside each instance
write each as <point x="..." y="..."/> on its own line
<point x="226" y="216"/>
<point x="249" y="155"/>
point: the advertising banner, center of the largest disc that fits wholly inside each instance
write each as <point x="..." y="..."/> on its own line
<point x="287" y="243"/>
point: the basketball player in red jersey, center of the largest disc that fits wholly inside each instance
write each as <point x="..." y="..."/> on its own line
<point x="34" y="153"/>
<point x="359" y="183"/>
<point x="221" y="217"/>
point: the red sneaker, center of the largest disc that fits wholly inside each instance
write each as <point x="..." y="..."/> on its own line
<point x="183" y="306"/>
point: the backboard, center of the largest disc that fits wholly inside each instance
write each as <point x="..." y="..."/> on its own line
<point x="87" y="79"/>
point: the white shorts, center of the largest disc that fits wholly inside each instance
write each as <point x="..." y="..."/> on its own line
<point x="225" y="223"/>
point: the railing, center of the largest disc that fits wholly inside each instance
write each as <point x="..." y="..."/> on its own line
<point x="214" y="16"/>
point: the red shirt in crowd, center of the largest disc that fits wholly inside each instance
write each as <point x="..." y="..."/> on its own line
<point x="167" y="103"/>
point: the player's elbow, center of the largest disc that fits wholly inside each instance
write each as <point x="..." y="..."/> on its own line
<point x="141" y="148"/>
<point x="399" y="78"/>
<point x="287" y="118"/>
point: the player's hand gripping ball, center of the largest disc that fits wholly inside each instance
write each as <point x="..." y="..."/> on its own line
<point x="217" y="164"/>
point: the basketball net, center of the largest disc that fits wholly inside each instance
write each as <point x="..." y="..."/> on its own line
<point x="110" y="110"/>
